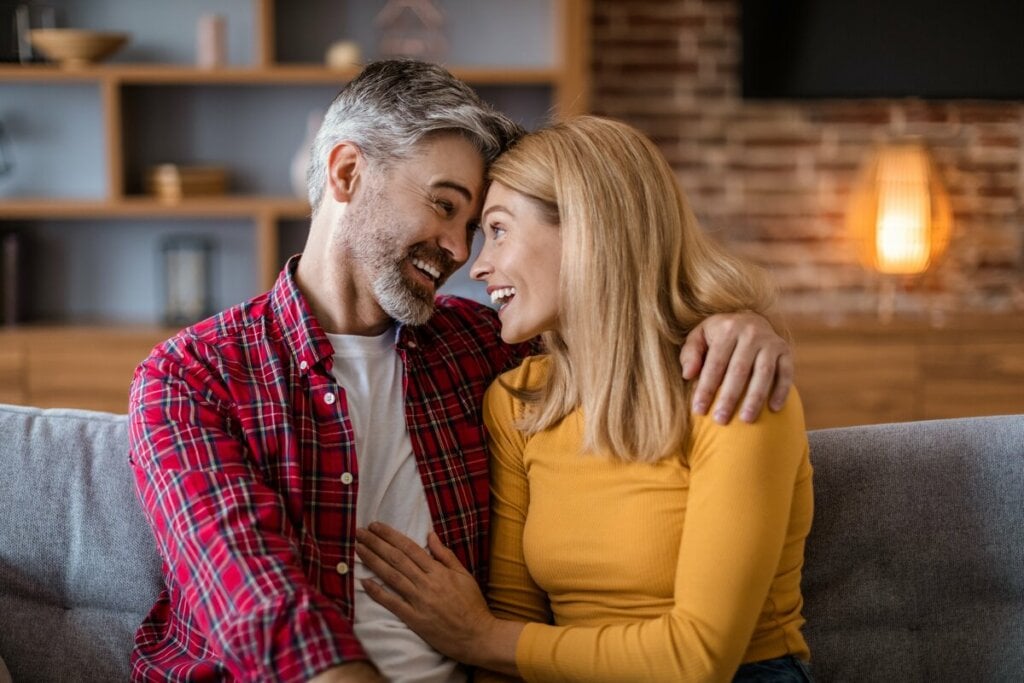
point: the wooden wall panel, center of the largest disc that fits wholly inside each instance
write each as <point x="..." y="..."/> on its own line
<point x="965" y="379"/>
<point x="12" y="373"/>
<point x="852" y="384"/>
<point x="866" y="372"/>
<point x="87" y="368"/>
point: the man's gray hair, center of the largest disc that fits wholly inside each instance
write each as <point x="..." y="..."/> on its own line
<point x="392" y="105"/>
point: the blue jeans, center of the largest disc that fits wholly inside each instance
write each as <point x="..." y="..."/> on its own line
<point x="786" y="669"/>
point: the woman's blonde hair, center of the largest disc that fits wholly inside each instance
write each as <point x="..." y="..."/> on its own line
<point x="637" y="274"/>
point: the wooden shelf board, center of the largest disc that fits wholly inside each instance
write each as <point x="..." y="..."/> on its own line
<point x="45" y="73"/>
<point x="282" y="74"/>
<point x="285" y="207"/>
<point x="49" y="329"/>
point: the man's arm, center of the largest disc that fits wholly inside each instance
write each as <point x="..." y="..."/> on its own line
<point x="732" y="352"/>
<point x="222" y="531"/>
<point x="729" y="352"/>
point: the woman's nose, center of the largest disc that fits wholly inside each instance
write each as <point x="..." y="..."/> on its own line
<point x="481" y="268"/>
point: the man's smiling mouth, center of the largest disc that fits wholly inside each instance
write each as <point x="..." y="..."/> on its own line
<point x="427" y="268"/>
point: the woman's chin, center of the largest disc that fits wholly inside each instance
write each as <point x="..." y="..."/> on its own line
<point x="511" y="337"/>
<point x="515" y="334"/>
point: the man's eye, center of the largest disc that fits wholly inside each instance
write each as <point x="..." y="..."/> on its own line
<point x="447" y="208"/>
<point x="472" y="227"/>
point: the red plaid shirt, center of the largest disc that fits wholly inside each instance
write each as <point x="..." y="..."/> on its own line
<point x="245" y="465"/>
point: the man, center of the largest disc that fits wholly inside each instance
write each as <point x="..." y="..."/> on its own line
<point x="262" y="437"/>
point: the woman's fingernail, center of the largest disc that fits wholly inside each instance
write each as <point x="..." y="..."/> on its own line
<point x="700" y="407"/>
<point x="722" y="417"/>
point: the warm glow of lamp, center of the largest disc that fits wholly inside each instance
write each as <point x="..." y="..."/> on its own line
<point x="900" y="216"/>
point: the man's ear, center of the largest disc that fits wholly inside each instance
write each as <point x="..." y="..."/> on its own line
<point x="345" y="164"/>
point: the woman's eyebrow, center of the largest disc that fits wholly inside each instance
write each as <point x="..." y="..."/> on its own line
<point x="496" y="207"/>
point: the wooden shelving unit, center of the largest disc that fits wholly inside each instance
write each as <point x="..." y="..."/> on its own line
<point x="116" y="83"/>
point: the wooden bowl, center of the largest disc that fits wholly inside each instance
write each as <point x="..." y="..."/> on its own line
<point x="172" y="182"/>
<point x="72" y="47"/>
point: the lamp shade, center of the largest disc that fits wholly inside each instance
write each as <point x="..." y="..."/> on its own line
<point x="900" y="215"/>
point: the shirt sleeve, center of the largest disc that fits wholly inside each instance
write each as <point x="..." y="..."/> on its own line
<point x="226" y="542"/>
<point x="742" y="478"/>
<point x="511" y="593"/>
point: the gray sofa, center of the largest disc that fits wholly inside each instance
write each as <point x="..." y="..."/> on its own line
<point x="914" y="571"/>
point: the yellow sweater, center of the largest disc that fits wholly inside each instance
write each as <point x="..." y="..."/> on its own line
<point x="656" y="572"/>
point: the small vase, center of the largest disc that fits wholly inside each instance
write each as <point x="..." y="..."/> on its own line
<point x="300" y="162"/>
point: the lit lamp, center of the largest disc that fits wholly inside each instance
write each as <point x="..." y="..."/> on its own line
<point x="900" y="215"/>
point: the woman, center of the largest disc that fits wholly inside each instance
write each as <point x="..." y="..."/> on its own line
<point x="631" y="540"/>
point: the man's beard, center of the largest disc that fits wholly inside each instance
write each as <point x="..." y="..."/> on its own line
<point x="403" y="300"/>
<point x="381" y="251"/>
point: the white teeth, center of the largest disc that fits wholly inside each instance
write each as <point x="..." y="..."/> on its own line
<point x="426" y="267"/>
<point x="500" y="296"/>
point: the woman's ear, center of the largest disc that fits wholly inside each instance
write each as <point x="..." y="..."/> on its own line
<point x="345" y="163"/>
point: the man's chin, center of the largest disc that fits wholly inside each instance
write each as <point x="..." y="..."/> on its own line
<point x="413" y="315"/>
<point x="405" y="304"/>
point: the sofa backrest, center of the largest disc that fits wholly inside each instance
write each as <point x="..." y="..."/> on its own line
<point x="914" y="568"/>
<point x="78" y="566"/>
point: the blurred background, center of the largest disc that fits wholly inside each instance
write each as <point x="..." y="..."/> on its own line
<point x="869" y="155"/>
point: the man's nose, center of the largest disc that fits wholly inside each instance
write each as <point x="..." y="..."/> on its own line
<point x="456" y="241"/>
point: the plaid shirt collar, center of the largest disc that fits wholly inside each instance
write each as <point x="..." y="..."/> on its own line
<point x="305" y="338"/>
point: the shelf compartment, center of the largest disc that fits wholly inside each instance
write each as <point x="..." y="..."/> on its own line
<point x="56" y="140"/>
<point x="252" y="130"/>
<point x="519" y="34"/>
<point x="165" y="31"/>
<point x="109" y="270"/>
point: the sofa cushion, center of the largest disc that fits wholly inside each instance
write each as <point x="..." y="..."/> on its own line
<point x="78" y="566"/>
<point x="915" y="563"/>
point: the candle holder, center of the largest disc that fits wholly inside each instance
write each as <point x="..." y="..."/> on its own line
<point x="187" y="270"/>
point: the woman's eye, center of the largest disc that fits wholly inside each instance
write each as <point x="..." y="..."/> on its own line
<point x="497" y="231"/>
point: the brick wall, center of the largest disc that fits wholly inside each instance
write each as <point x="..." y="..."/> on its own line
<point x="771" y="178"/>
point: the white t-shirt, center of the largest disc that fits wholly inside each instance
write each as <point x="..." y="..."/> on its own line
<point x="390" y="491"/>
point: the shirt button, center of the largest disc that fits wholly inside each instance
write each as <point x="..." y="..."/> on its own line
<point x="347" y="478"/>
<point x="329" y="398"/>
<point x="342" y="568"/>
<point x="303" y="365"/>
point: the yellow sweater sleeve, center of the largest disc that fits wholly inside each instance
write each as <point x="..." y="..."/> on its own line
<point x="511" y="592"/>
<point x="741" y="488"/>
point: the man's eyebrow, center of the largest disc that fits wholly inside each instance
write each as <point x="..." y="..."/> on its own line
<point x="452" y="185"/>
